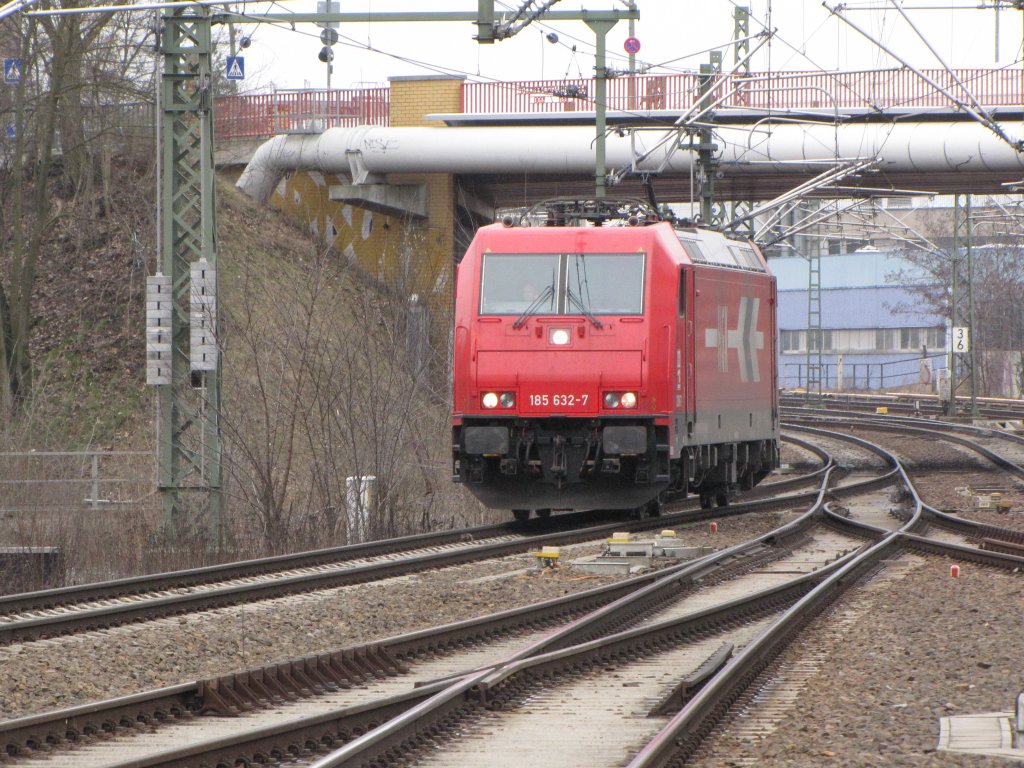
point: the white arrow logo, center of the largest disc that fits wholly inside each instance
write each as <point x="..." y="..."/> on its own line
<point x="744" y="338"/>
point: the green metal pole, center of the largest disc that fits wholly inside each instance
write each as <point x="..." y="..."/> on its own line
<point x="741" y="49"/>
<point x="962" y="362"/>
<point x="972" y="359"/>
<point x="706" y="149"/>
<point x="601" y="29"/>
<point x="190" y="448"/>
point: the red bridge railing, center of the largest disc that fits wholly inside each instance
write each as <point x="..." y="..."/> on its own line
<point x="314" y="110"/>
<point x="778" y="90"/>
<point x="263" y="115"/>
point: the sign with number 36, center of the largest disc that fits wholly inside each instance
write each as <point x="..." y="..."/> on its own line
<point x="961" y="338"/>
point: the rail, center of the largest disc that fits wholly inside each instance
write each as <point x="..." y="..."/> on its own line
<point x="582" y="644"/>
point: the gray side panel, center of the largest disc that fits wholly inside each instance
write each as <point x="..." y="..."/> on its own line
<point x="712" y="427"/>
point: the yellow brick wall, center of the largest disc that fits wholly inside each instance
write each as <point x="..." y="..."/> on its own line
<point x="414" y="97"/>
<point x="414" y="256"/>
<point x="411" y="99"/>
<point x="377" y="243"/>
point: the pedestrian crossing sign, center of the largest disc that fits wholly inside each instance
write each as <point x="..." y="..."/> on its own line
<point x="12" y="71"/>
<point x="236" y="68"/>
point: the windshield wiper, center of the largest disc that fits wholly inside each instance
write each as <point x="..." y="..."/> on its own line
<point x="546" y="294"/>
<point x="574" y="299"/>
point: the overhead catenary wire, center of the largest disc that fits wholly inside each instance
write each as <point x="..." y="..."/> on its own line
<point x="980" y="109"/>
<point x="983" y="119"/>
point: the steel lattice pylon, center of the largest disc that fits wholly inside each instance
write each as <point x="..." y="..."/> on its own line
<point x="962" y="367"/>
<point x="741" y="49"/>
<point x="815" y="335"/>
<point x="189" y="436"/>
<point x="711" y="212"/>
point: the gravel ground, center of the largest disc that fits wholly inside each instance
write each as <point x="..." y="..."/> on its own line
<point x="61" y="672"/>
<point x="929" y="647"/>
<point x="959" y="469"/>
<point x="848" y="455"/>
<point x="795" y="456"/>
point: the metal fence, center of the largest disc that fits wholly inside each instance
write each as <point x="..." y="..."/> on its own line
<point x="849" y="375"/>
<point x="876" y="88"/>
<point x="310" y="111"/>
<point x="37" y="481"/>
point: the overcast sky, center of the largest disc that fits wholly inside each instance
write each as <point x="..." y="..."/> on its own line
<point x="674" y="35"/>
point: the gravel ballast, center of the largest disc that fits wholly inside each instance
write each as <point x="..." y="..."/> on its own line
<point x="66" y="671"/>
<point x="928" y="646"/>
<point x="925" y="647"/>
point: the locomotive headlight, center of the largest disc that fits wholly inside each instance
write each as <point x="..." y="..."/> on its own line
<point x="559" y="336"/>
<point x="507" y="399"/>
<point x="626" y="400"/>
<point x="490" y="400"/>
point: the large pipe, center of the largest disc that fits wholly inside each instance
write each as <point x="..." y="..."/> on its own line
<point x="367" y="152"/>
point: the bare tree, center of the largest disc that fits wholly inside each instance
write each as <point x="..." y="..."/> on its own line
<point x="998" y="289"/>
<point x="76" y="71"/>
<point x="337" y="413"/>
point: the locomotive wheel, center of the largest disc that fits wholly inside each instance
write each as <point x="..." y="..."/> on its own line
<point x="543" y="512"/>
<point x="521" y="515"/>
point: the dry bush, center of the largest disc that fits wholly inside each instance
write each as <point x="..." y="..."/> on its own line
<point x="332" y="377"/>
<point x="46" y="501"/>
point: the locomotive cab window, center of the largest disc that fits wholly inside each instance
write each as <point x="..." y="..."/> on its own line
<point x="605" y="283"/>
<point x="562" y="284"/>
<point x="519" y="283"/>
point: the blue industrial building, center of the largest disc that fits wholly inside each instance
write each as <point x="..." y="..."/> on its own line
<point x="875" y="332"/>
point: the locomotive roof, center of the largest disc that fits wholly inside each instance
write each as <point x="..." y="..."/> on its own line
<point x="699" y="246"/>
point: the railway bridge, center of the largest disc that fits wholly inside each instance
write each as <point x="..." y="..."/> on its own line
<point x="396" y="178"/>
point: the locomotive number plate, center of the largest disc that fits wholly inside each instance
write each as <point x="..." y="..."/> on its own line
<point x="558" y="400"/>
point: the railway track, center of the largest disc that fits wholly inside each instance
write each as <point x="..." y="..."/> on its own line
<point x="987" y="445"/>
<point x="534" y="690"/>
<point x="385" y="660"/>
<point x="746" y="588"/>
<point x="35" y="615"/>
<point x="998" y="409"/>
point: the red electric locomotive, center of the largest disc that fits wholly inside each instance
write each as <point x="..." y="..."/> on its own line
<point x="605" y="358"/>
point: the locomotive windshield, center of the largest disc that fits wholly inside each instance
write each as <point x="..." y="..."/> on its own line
<point x="562" y="284"/>
<point x="515" y="283"/>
